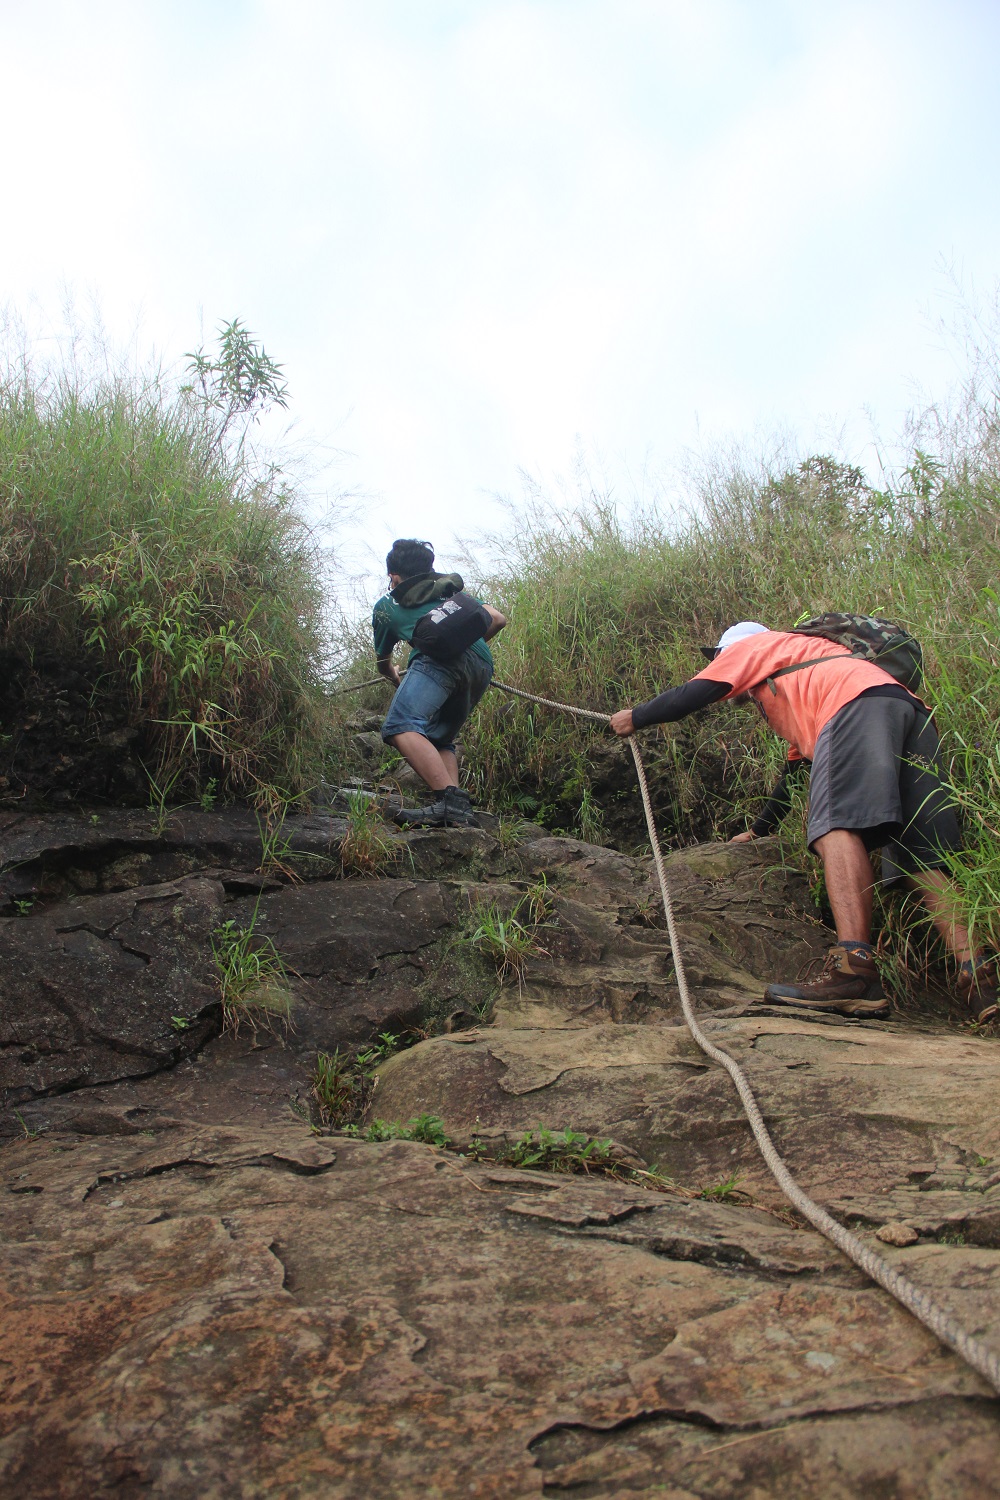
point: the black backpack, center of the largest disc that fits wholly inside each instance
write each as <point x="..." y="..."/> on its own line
<point x="450" y="627"/>
<point x="869" y="637"/>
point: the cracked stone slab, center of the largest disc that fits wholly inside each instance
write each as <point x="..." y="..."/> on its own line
<point x="845" y="1106"/>
<point x="90" y="989"/>
<point x="255" y="1312"/>
<point x="969" y="1216"/>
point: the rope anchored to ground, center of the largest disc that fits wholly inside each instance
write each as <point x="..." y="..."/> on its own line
<point x="917" y="1302"/>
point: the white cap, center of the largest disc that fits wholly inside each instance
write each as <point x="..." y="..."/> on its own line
<point x="739" y="633"/>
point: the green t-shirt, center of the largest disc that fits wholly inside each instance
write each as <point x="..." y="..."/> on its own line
<point x="392" y="622"/>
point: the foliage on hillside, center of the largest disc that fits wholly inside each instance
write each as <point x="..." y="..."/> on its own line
<point x="142" y="546"/>
<point x="606" y="611"/>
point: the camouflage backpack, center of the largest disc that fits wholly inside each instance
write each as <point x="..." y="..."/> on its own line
<point x="869" y="637"/>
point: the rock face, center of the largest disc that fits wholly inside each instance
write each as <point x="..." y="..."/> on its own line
<point x="204" y="1298"/>
<point x="233" y="1312"/>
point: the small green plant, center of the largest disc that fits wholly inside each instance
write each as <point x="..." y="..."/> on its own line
<point x="209" y="794"/>
<point x="726" y="1190"/>
<point x="159" y="799"/>
<point x="22" y="905"/>
<point x="366" y="848"/>
<point x="648" y="912"/>
<point x="95" y="818"/>
<point x="276" y="856"/>
<point x="590" y="818"/>
<point x="428" y="1129"/>
<point x="238" y="383"/>
<point x="509" y="834"/>
<point x="29" y="1134"/>
<point x="252" y="978"/>
<point x="537" y="902"/>
<point x="337" y="1088"/>
<point x="180" y="1023"/>
<point x="504" y="937"/>
<point x="559" y="1151"/>
<point x="378" y="1051"/>
<point x="342" y="1087"/>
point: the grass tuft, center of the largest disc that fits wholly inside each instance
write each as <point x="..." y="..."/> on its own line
<point x="252" y="979"/>
<point x="366" y="848"/>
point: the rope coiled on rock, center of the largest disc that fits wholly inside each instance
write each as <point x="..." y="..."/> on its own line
<point x="923" y="1307"/>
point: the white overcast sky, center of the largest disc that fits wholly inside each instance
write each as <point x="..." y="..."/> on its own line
<point x="480" y="232"/>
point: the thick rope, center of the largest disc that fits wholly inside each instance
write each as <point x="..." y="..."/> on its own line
<point x="923" y="1307"/>
<point x="355" y="687"/>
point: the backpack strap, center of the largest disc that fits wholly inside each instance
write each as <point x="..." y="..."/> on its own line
<point x="798" y="666"/>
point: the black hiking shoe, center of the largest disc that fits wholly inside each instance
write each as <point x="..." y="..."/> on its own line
<point x="451" y="808"/>
<point x="848" y="984"/>
<point x="977" y="988"/>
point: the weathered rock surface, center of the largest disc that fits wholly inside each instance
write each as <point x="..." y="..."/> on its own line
<point x="235" y="1312"/>
<point x="202" y="1298"/>
<point x="106" y="950"/>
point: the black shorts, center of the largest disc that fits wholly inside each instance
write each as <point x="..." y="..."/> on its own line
<point x="875" y="772"/>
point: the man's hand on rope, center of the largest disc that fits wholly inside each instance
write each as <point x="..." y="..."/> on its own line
<point x="621" y="722"/>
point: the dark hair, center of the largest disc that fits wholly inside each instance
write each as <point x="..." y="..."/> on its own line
<point x="408" y="557"/>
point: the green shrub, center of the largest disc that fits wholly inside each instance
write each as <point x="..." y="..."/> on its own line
<point x="429" y="1129"/>
<point x="342" y="1086"/>
<point x="559" y="1151"/>
<point x="140" y="542"/>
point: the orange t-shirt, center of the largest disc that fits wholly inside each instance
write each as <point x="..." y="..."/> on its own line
<point x="804" y="701"/>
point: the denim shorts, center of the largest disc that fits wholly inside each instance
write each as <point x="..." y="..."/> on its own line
<point x="875" y="772"/>
<point x="435" y="699"/>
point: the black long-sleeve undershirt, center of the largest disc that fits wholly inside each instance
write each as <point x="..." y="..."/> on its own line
<point x="677" y="703"/>
<point x="780" y="800"/>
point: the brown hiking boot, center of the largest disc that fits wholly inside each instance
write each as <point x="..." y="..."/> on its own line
<point x="847" y="984"/>
<point x="977" y="988"/>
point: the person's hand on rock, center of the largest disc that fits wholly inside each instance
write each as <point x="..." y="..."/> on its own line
<point x="743" y="838"/>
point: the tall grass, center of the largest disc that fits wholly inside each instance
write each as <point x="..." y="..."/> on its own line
<point x="606" y="610"/>
<point x="141" y="544"/>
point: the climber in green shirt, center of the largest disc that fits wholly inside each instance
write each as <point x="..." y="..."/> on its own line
<point x="439" y="691"/>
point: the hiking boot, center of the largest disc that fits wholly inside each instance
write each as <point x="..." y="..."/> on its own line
<point x="848" y="984"/>
<point x="451" y="808"/>
<point x="977" y="988"/>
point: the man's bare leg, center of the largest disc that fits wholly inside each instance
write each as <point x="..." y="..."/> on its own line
<point x="977" y="983"/>
<point x="849" y="984"/>
<point x="439" y="768"/>
<point x="850" y="883"/>
<point x="940" y="896"/>
<point x="450" y="806"/>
